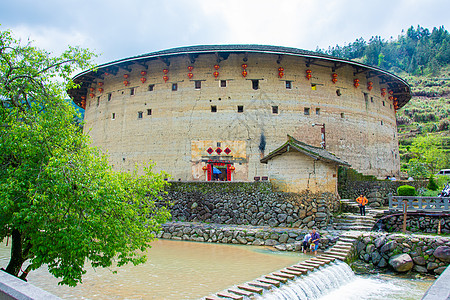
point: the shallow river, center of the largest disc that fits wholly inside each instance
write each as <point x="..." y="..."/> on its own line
<point x="188" y="270"/>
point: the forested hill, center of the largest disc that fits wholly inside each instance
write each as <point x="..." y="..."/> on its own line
<point x="418" y="51"/>
<point x="422" y="58"/>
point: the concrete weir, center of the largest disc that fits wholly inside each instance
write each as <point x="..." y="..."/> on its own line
<point x="342" y="250"/>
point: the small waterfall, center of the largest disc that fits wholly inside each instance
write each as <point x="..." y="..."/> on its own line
<point x="314" y="285"/>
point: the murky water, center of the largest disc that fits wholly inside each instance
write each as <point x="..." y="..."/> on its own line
<point x="174" y="270"/>
<point x="188" y="270"/>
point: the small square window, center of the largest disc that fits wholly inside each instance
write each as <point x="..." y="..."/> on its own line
<point x="151" y="87"/>
<point x="131" y="91"/>
<point x="223" y="83"/>
<point x="174" y="86"/>
<point x="306" y="111"/>
<point x="140" y="114"/>
<point x="219" y="144"/>
<point x="288" y="85"/>
<point x="338" y="92"/>
<point x="98" y="101"/>
<point x="381" y="122"/>
<point x="317" y="111"/>
<point x="240" y="108"/>
<point x="366" y="97"/>
<point x="342" y="115"/>
<point x="255" y="84"/>
<point x="390" y="106"/>
<point x="213" y="108"/>
<point x="384" y="104"/>
<point x="109" y="96"/>
<point x="275" y="110"/>
<point x="198" y="84"/>
<point x="149" y="112"/>
<point x="113" y="116"/>
<point x="313" y="87"/>
<point x="371" y="99"/>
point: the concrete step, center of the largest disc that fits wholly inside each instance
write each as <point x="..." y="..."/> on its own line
<point x="303" y="270"/>
<point x="331" y="259"/>
<point x="290" y="272"/>
<point x="230" y="295"/>
<point x="340" y="257"/>
<point x="269" y="281"/>
<point x="241" y="292"/>
<point x="265" y="286"/>
<point x="213" y="297"/>
<point x="311" y="264"/>
<point x="288" y="276"/>
<point x="317" y="262"/>
<point x="277" y="278"/>
<point x="250" y="288"/>
<point x="302" y="266"/>
<point x="322" y="259"/>
<point x="342" y="247"/>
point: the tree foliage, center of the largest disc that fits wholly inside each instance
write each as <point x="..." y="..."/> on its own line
<point x="428" y="156"/>
<point x="61" y="204"/>
<point x="416" y="51"/>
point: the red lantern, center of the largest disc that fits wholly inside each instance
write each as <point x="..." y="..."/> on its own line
<point x="244" y="66"/>
<point x="391" y="92"/>
<point x="126" y="82"/>
<point x="165" y="71"/>
<point x="383" y="92"/>
<point x="143" y="73"/>
<point x="92" y="95"/>
<point x="216" y="66"/>
<point x="356" y="82"/>
<point x="83" y="103"/>
<point x="204" y="168"/>
<point x="232" y="168"/>
<point x="370" y="85"/>
<point x="244" y="73"/>
<point x="280" y="74"/>
<point x="280" y="69"/>
<point x="91" y="89"/>
<point x="216" y="74"/>
<point x="391" y="97"/>
<point x="190" y="68"/>
<point x="190" y="75"/>
<point x="308" y="74"/>
<point x="100" y="90"/>
<point x="334" y="77"/>
<point x="100" y="84"/>
<point x="143" y="79"/>
<point x="83" y="98"/>
<point x="125" y="76"/>
<point x="165" y="77"/>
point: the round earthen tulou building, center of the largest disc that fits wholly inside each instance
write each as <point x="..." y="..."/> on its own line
<point x="245" y="113"/>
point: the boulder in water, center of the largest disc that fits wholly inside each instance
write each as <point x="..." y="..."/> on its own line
<point x="401" y="262"/>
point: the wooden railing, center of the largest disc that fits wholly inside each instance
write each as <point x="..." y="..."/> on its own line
<point x="415" y="203"/>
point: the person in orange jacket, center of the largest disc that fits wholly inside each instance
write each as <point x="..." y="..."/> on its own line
<point x="362" y="201"/>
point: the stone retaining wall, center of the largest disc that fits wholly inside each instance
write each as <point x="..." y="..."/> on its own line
<point x="249" y="203"/>
<point x="376" y="191"/>
<point x="415" y="222"/>
<point x="284" y="239"/>
<point x="423" y="254"/>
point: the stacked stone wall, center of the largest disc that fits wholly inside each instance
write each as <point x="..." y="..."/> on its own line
<point x="416" y="222"/>
<point x="423" y="254"/>
<point x="376" y="191"/>
<point x="283" y="239"/>
<point x="249" y="203"/>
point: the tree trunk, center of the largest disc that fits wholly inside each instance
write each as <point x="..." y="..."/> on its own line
<point x="16" y="261"/>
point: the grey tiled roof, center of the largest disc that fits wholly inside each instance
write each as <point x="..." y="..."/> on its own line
<point x="314" y="152"/>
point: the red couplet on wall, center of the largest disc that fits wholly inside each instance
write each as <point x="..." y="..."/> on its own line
<point x="210" y="169"/>
<point x="228" y="173"/>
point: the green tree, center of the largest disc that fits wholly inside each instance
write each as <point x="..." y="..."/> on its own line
<point x="427" y="151"/>
<point x="61" y="204"/>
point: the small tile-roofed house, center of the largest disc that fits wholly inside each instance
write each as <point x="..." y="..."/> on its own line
<point x="297" y="167"/>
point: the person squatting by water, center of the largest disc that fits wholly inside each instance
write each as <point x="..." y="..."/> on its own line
<point x="315" y="236"/>
<point x="362" y="201"/>
<point x="306" y="241"/>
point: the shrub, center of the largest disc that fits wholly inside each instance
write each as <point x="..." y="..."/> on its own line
<point x="432" y="184"/>
<point x="406" y="190"/>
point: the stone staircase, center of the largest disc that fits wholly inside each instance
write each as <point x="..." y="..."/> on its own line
<point x="353" y="220"/>
<point x="342" y="250"/>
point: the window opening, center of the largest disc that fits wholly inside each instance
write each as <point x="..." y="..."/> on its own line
<point x="381" y="122"/>
<point x="174" y="86"/>
<point x="240" y="108"/>
<point x="366" y="97"/>
<point x="306" y="111"/>
<point x="198" y="84"/>
<point x="113" y="116"/>
<point x="149" y="112"/>
<point x="98" y="101"/>
<point x="288" y="85"/>
<point x="338" y="92"/>
<point x="213" y="108"/>
<point x="317" y="111"/>
<point x="109" y="96"/>
<point x="140" y="114"/>
<point x="132" y="91"/>
<point x="342" y="115"/>
<point x="384" y="104"/>
<point x="151" y="87"/>
<point x="371" y="99"/>
<point x="275" y="109"/>
<point x="219" y="144"/>
<point x="255" y="84"/>
<point x="313" y="87"/>
<point x="223" y="83"/>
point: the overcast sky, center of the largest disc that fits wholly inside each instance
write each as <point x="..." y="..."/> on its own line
<point x="117" y="29"/>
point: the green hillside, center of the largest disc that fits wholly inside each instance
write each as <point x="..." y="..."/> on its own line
<point x="422" y="58"/>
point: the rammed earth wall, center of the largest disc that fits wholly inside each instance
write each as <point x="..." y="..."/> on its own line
<point x="428" y="254"/>
<point x="249" y="203"/>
